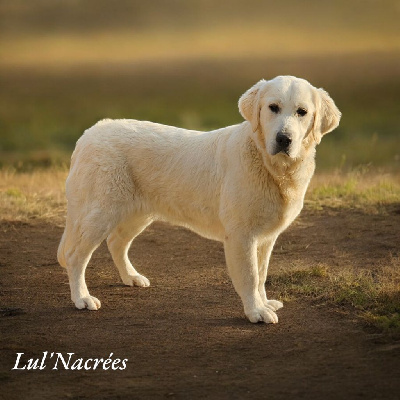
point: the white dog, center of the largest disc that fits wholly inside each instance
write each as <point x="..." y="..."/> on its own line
<point x="242" y="185"/>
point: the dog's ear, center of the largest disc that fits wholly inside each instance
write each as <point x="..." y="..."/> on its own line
<point x="327" y="115"/>
<point x="249" y="104"/>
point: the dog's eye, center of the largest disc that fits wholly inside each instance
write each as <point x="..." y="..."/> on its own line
<point x="301" y="111"/>
<point x="274" y="108"/>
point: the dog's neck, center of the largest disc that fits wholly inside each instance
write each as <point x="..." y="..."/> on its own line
<point x="291" y="175"/>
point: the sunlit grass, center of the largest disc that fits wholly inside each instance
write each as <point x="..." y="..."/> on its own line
<point x="37" y="195"/>
<point x="358" y="189"/>
<point x="374" y="294"/>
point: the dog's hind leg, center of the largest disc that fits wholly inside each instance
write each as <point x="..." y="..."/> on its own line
<point x="119" y="242"/>
<point x="81" y="237"/>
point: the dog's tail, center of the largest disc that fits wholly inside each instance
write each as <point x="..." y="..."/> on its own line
<point x="61" y="251"/>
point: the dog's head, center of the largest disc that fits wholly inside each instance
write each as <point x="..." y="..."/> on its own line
<point x="286" y="113"/>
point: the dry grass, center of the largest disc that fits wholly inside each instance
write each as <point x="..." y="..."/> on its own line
<point x="36" y="195"/>
<point x="358" y="189"/>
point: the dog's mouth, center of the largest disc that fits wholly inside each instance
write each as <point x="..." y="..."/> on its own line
<point x="285" y="152"/>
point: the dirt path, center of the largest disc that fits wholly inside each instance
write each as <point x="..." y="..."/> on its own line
<point x="185" y="337"/>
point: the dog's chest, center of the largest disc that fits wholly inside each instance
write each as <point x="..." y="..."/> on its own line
<point x="290" y="211"/>
<point x="284" y="206"/>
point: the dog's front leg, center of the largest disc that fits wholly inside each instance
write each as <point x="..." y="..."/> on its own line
<point x="241" y="259"/>
<point x="264" y="251"/>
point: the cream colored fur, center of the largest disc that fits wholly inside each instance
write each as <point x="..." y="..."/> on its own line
<point x="225" y="185"/>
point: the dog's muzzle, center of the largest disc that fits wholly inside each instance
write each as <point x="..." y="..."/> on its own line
<point x="283" y="142"/>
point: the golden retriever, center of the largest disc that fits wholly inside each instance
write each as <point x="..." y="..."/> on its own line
<point x="242" y="185"/>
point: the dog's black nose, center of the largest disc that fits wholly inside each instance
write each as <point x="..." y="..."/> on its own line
<point x="282" y="141"/>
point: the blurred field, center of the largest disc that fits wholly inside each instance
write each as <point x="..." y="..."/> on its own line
<point x="65" y="65"/>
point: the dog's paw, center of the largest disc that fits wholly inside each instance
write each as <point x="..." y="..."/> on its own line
<point x="274" y="304"/>
<point x="89" y="302"/>
<point x="137" y="280"/>
<point x="262" y="314"/>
